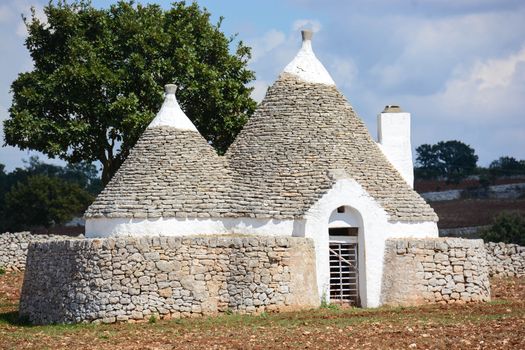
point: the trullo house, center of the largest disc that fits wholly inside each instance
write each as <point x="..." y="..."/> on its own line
<point x="304" y="165"/>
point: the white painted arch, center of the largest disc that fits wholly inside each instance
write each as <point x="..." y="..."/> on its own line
<point x="376" y="229"/>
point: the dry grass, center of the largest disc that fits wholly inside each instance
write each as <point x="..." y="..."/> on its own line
<point x="499" y="324"/>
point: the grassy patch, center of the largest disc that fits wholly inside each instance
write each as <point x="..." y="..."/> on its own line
<point x="498" y="302"/>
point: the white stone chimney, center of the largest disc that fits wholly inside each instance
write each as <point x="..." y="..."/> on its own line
<point x="393" y="134"/>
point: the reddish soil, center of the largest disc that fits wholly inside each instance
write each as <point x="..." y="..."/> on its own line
<point x="474" y="212"/>
<point x="496" y="325"/>
<point x="441" y="185"/>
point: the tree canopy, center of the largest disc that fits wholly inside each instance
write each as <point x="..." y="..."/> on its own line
<point x="507" y="166"/>
<point x="452" y="160"/>
<point x="41" y="200"/>
<point x="98" y="79"/>
<point x="41" y="195"/>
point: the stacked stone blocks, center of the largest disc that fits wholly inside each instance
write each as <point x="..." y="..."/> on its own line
<point x="13" y="248"/>
<point x="109" y="280"/>
<point x="443" y="270"/>
<point x="506" y="260"/>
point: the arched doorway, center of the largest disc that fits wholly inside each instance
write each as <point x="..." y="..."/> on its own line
<point x="344" y="256"/>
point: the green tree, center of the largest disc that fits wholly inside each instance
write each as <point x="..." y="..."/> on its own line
<point x="83" y="174"/>
<point x="507" y="228"/>
<point x="427" y="162"/>
<point x="506" y="166"/>
<point x="82" y="179"/>
<point x="452" y="160"/>
<point x="43" y="201"/>
<point x="457" y="159"/>
<point x="98" y="79"/>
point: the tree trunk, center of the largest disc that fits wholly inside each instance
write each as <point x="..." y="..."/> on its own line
<point x="106" y="172"/>
<point x="111" y="165"/>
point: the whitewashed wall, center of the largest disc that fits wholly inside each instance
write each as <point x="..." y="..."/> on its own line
<point x="393" y="133"/>
<point x="108" y="227"/>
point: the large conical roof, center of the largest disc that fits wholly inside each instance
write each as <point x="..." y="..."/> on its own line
<point x="282" y="162"/>
<point x="171" y="172"/>
<point x="303" y="131"/>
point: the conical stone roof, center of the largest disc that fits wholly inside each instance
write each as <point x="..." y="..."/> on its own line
<point x="302" y="132"/>
<point x="282" y="162"/>
<point x="171" y="172"/>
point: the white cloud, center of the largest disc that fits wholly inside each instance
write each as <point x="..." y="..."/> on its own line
<point x="343" y="70"/>
<point x="494" y="73"/>
<point x="490" y="92"/>
<point x="423" y="53"/>
<point x="6" y="13"/>
<point x="269" y="41"/>
<point x="12" y="10"/>
<point x="480" y="105"/>
<point x="259" y="90"/>
<point x="311" y="24"/>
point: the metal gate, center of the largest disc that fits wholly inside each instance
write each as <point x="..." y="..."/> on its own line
<point x="344" y="273"/>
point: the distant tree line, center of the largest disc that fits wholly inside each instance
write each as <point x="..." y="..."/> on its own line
<point x="41" y="195"/>
<point x="507" y="166"/>
<point x="454" y="160"/>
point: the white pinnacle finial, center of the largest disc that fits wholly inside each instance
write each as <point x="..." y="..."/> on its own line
<point x="170" y="88"/>
<point x="170" y="113"/>
<point x="306" y="66"/>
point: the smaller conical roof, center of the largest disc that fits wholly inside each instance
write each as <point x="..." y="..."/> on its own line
<point x="171" y="171"/>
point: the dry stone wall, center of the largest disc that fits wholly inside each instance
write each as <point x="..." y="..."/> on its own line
<point x="505" y="260"/>
<point x="508" y="191"/>
<point x="444" y="270"/>
<point x="13" y="248"/>
<point x="109" y="280"/>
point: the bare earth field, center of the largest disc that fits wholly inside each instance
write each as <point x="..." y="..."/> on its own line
<point x="474" y="212"/>
<point x="499" y="324"/>
<point x="441" y="185"/>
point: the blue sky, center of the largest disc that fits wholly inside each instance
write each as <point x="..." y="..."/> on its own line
<point x="457" y="66"/>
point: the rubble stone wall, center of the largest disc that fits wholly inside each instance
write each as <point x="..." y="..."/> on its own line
<point x="505" y="260"/>
<point x="444" y="270"/>
<point x="109" y="280"/>
<point x="13" y="248"/>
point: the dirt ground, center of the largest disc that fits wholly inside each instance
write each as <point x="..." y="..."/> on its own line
<point x="474" y="212"/>
<point x="499" y="324"/>
<point x="441" y="185"/>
